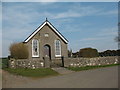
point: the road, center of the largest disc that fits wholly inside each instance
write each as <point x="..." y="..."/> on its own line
<point x="96" y="78"/>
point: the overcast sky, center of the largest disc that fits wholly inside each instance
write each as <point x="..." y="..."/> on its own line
<point x="85" y="24"/>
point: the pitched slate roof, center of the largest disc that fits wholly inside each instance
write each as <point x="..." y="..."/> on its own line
<point x="50" y="25"/>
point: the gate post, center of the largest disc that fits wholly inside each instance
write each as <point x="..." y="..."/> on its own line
<point x="62" y="61"/>
<point x="47" y="62"/>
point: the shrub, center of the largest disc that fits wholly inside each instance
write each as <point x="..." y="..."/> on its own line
<point x="88" y="52"/>
<point x="19" y="51"/>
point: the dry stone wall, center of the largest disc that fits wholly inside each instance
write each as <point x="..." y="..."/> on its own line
<point x="82" y="62"/>
<point x="68" y="62"/>
<point x="26" y="63"/>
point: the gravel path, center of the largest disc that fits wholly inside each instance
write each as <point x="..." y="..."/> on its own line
<point x="96" y="78"/>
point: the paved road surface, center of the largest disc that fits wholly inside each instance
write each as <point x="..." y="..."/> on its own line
<point x="97" y="78"/>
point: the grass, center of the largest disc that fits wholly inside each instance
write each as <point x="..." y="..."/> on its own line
<point x="89" y="67"/>
<point x="3" y="63"/>
<point x="0" y="62"/>
<point x="41" y="72"/>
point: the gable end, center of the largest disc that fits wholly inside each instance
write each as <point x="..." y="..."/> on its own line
<point x="51" y="26"/>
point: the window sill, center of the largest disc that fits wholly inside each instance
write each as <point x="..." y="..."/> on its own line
<point x="57" y="55"/>
<point x="35" y="56"/>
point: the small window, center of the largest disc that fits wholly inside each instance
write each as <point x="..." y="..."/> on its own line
<point x="57" y="48"/>
<point x="46" y="35"/>
<point x="35" y="48"/>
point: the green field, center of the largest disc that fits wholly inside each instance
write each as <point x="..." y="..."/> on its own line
<point x="3" y="63"/>
<point x="0" y="63"/>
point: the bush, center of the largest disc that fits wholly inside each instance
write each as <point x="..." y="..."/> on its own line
<point x="19" y="51"/>
<point x="88" y="52"/>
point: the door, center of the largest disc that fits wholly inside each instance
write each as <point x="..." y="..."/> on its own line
<point x="47" y="51"/>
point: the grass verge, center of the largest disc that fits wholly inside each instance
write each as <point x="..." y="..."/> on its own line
<point x="41" y="72"/>
<point x="4" y="63"/>
<point x="89" y="67"/>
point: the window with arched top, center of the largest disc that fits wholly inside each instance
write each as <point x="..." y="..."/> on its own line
<point x="57" y="48"/>
<point x="35" y="48"/>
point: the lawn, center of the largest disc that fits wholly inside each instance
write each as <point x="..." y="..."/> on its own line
<point x="41" y="72"/>
<point x="89" y="67"/>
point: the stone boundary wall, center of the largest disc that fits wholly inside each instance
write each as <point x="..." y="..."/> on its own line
<point x="82" y="62"/>
<point x="56" y="63"/>
<point x="24" y="63"/>
<point x="68" y="62"/>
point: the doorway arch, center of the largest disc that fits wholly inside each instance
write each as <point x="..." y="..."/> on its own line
<point x="47" y="51"/>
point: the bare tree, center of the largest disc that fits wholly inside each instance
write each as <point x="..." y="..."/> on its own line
<point x="117" y="39"/>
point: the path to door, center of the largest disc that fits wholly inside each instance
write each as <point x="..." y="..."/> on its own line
<point x="62" y="70"/>
<point x="96" y="78"/>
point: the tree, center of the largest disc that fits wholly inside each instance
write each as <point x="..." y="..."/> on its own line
<point x="70" y="53"/>
<point x="118" y="52"/>
<point x="75" y="55"/>
<point x="88" y="52"/>
<point x="19" y="51"/>
<point x="110" y="53"/>
<point x="117" y="39"/>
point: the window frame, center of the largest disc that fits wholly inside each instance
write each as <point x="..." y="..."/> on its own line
<point x="37" y="48"/>
<point x="59" y="48"/>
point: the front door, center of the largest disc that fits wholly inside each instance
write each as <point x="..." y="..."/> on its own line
<point x="47" y="52"/>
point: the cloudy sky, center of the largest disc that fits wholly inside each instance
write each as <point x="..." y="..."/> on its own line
<point x="84" y="24"/>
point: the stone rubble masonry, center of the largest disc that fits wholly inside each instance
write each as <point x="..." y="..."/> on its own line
<point x="46" y="62"/>
<point x="68" y="62"/>
<point x="24" y="63"/>
<point x="97" y="61"/>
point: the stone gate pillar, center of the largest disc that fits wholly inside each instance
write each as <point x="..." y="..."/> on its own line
<point x="46" y="62"/>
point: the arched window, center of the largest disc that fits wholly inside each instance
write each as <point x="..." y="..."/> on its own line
<point x="35" y="48"/>
<point x="57" y="48"/>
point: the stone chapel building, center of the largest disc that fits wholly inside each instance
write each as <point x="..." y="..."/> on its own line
<point x="46" y="41"/>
